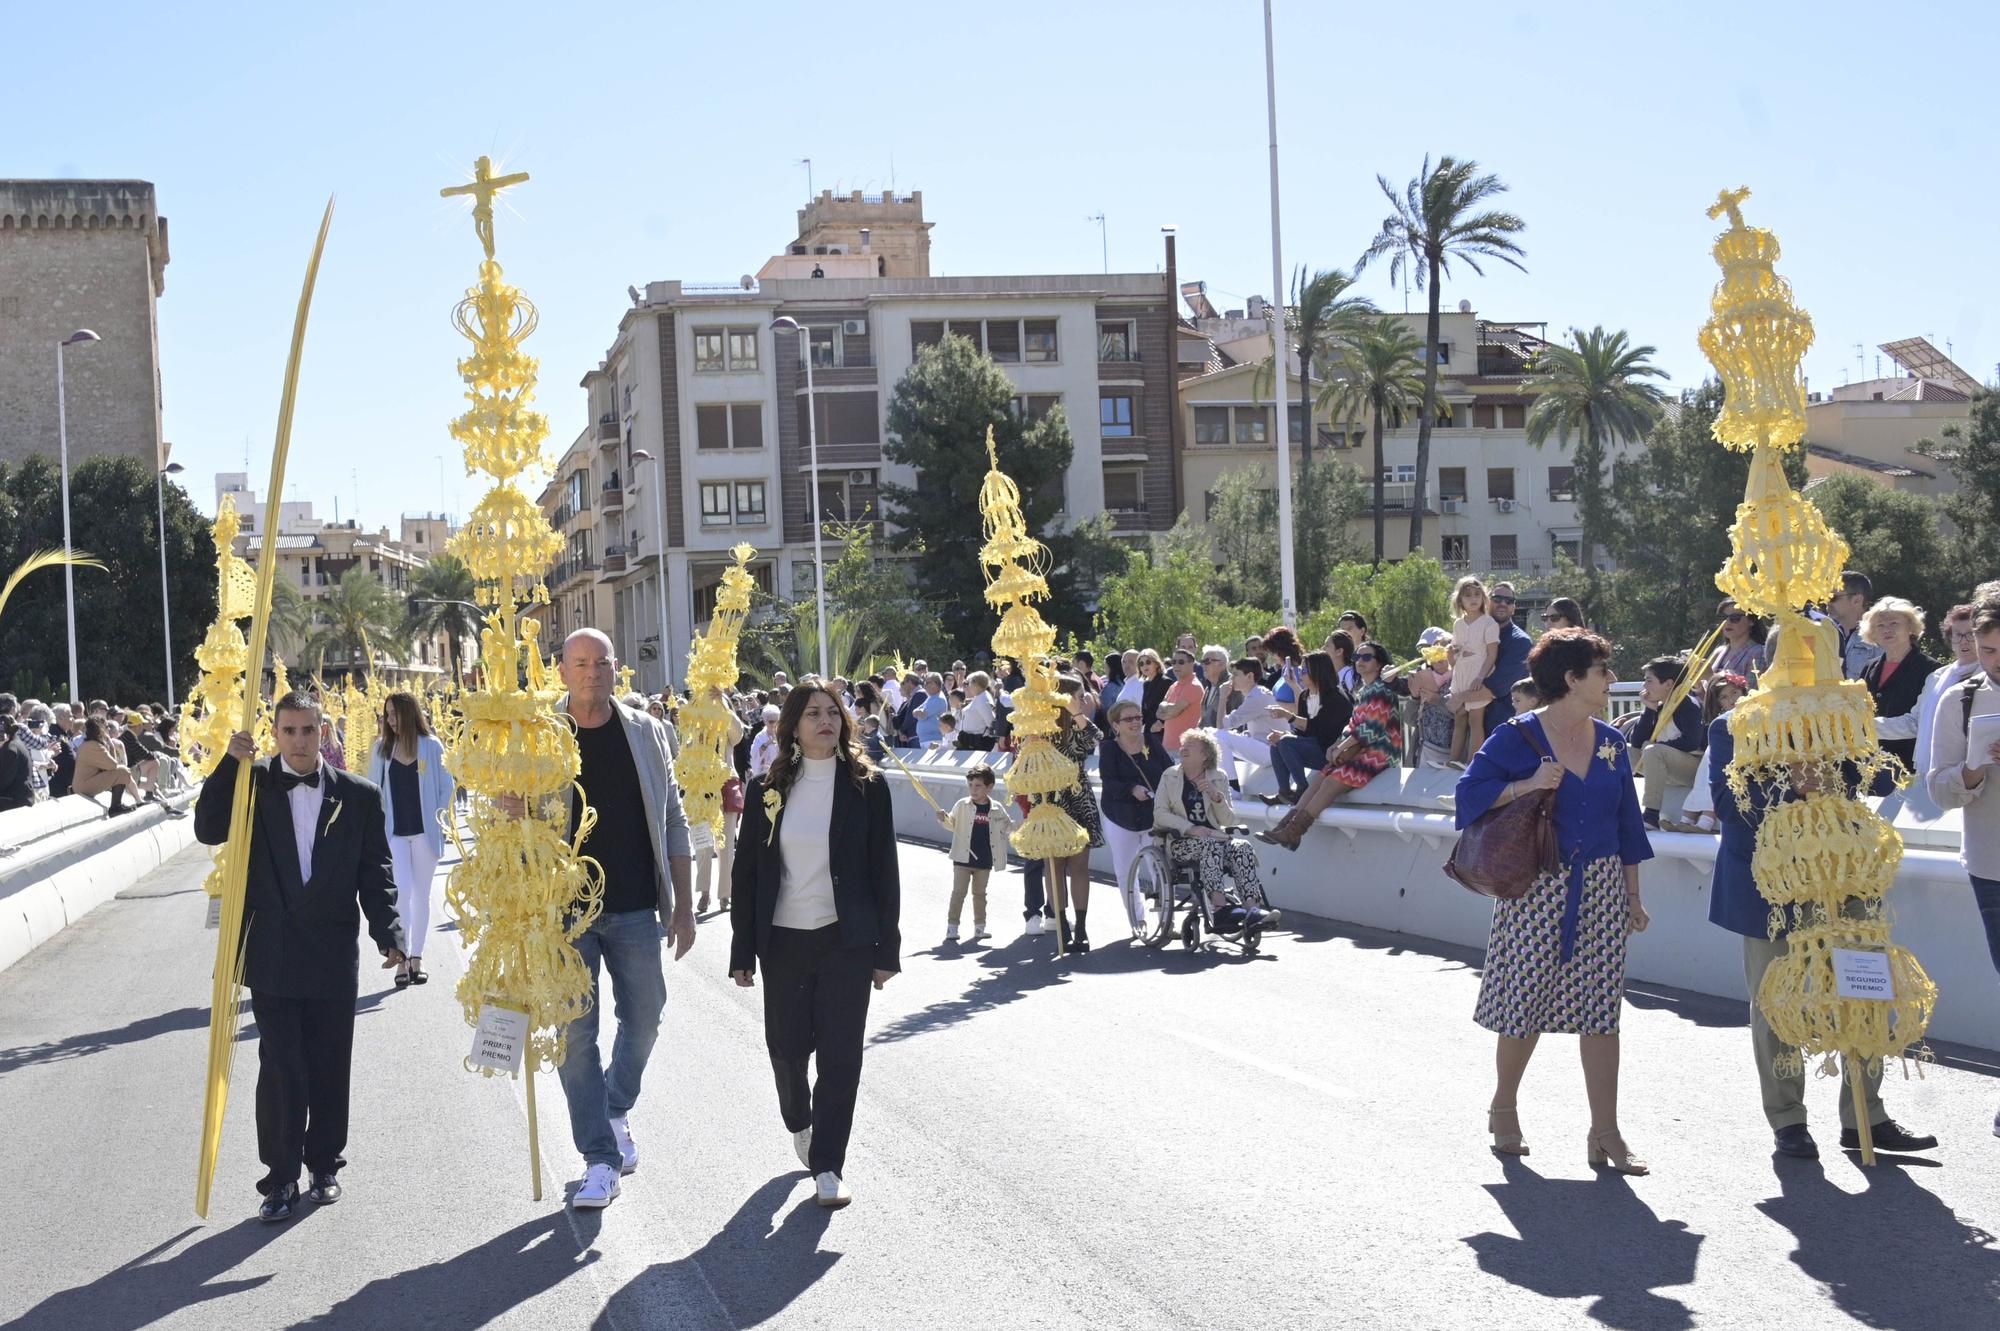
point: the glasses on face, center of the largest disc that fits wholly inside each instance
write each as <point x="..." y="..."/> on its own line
<point x="1359" y="657"/>
<point x="1961" y="635"/>
<point x="1734" y="617"/>
<point x="1500" y="598"/>
<point x="1127" y="721"/>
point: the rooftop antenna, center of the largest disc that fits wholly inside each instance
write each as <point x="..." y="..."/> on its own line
<point x="1102" y="238"/>
<point x="892" y="171"/>
<point x="1860" y="361"/>
<point x="807" y="163"/>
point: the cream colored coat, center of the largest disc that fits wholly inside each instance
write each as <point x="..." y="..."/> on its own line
<point x="1170" y="802"/>
<point x="999" y="823"/>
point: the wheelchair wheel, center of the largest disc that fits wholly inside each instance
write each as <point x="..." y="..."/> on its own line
<point x="1191" y="928"/>
<point x="1151" y="880"/>
<point x="1252" y="939"/>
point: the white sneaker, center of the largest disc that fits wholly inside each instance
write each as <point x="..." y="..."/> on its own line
<point x="599" y="1186"/>
<point x="832" y="1192"/>
<point x="628" y="1150"/>
<point x="1034" y="925"/>
<point x="802" y="1142"/>
<point x="951" y="933"/>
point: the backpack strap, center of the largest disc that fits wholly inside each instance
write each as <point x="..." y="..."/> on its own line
<point x="1965" y="696"/>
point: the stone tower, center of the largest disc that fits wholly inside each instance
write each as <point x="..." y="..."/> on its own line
<point x="890" y="226"/>
<point x="80" y="254"/>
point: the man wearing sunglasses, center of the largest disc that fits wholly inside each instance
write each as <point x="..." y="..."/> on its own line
<point x="1510" y="666"/>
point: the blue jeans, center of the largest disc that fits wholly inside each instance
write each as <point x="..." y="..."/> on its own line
<point x="1986" y="891"/>
<point x="1294" y="758"/>
<point x="628" y="943"/>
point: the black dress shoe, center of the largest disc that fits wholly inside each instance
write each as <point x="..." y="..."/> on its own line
<point x="1888" y="1135"/>
<point x="1794" y="1140"/>
<point x="325" y="1189"/>
<point x="278" y="1205"/>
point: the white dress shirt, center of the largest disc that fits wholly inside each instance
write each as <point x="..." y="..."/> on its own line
<point x="1927" y="709"/>
<point x="305" y="801"/>
<point x="805" y="849"/>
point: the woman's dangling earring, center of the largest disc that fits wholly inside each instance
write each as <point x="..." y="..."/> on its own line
<point x="798" y="754"/>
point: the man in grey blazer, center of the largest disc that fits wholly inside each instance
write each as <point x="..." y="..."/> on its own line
<point x="640" y="839"/>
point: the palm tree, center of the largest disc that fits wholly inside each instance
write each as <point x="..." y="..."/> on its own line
<point x="1433" y="223"/>
<point x="359" y="613"/>
<point x="849" y="646"/>
<point x="291" y="620"/>
<point x="1321" y="313"/>
<point x="1376" y="372"/>
<point x="441" y="602"/>
<point x="1596" y="391"/>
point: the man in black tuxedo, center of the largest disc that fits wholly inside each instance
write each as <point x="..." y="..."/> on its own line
<point x="318" y="849"/>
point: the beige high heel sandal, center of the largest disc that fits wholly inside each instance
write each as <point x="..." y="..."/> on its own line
<point x="1507" y="1143"/>
<point x="1619" y="1157"/>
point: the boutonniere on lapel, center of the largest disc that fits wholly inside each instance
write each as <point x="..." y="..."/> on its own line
<point x="773" y="802"/>
<point x="1609" y="752"/>
<point x="334" y="817"/>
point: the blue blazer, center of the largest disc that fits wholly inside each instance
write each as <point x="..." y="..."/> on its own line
<point x="435" y="788"/>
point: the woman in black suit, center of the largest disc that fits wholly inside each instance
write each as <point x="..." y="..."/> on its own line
<point x="816" y="898"/>
<point x="1896" y="677"/>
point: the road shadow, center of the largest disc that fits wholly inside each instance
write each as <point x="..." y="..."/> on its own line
<point x="468" y="1290"/>
<point x="751" y="1267"/>
<point x="1892" y="1256"/>
<point x="1627" y="1254"/>
<point x="143" y="1291"/>
<point x="1012" y="973"/>
<point x="96" y="1042"/>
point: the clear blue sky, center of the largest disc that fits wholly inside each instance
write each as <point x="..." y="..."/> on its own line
<point x="662" y="139"/>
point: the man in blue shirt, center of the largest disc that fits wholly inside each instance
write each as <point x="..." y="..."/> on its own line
<point x="927" y="712"/>
<point x="1510" y="666"/>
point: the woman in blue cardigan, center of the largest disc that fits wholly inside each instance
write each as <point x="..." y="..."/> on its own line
<point x="407" y="762"/>
<point x="1555" y="960"/>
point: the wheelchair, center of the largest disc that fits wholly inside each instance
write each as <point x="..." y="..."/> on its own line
<point x="1167" y="893"/>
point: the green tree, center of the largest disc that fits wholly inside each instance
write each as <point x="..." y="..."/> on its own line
<point x="357" y="615"/>
<point x="119" y="624"/>
<point x="1438" y="218"/>
<point x="1242" y="520"/>
<point x="791" y="643"/>
<point x="1594" y="392"/>
<point x="938" y="418"/>
<point x="878" y="595"/>
<point x="1165" y="591"/>
<point x="1971" y="454"/>
<point x="1894" y="538"/>
<point x="1376" y="373"/>
<point x="1399" y="600"/>
<point x="441" y="601"/>
<point x="1320" y="314"/>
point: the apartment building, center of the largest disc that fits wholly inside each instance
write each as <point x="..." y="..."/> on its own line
<point x="699" y="407"/>
<point x="1494" y="502"/>
<point x="1873" y="427"/>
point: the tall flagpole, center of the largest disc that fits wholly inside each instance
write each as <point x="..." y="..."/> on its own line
<point x="1280" y="353"/>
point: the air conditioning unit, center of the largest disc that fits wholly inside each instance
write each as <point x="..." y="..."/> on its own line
<point x="1451" y="505"/>
<point x="854" y="327"/>
<point x="1505" y="505"/>
<point x="861" y="476"/>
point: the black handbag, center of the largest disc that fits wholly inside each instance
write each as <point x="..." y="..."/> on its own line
<point x="1507" y="848"/>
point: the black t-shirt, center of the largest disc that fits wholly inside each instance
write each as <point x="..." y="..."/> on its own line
<point x="619" y="840"/>
<point x="981" y="847"/>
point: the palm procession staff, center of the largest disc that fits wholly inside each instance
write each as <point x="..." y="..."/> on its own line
<point x="816" y="900"/>
<point x="319" y="861"/>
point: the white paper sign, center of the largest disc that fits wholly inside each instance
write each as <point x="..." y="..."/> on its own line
<point x="214" y="913"/>
<point x="499" y="1038"/>
<point x="1862" y="975"/>
<point x="701" y="837"/>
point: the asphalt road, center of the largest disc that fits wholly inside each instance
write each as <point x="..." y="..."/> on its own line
<point x="1131" y="1139"/>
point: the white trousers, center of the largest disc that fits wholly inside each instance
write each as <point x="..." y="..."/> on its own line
<point x="1241" y="748"/>
<point x="1125" y="846"/>
<point x="416" y="865"/>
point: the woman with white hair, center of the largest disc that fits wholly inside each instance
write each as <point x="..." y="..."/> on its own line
<point x="1193" y="804"/>
<point x="1896" y="678"/>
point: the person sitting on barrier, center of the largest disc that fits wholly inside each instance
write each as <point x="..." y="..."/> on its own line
<point x="1193" y="804"/>
<point x="1240" y="735"/>
<point x="1372" y="741"/>
<point x="1669" y="762"/>
<point x="98" y="770"/>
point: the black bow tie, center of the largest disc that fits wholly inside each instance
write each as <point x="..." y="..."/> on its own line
<point x="286" y="780"/>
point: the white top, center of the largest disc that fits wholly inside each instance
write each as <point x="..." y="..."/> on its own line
<point x="1250" y="713"/>
<point x="1927" y="708"/>
<point x="1471" y="637"/>
<point x="305" y="801"/>
<point x="977" y="718"/>
<point x="1979" y="842"/>
<point x="805" y="848"/>
<point x="763" y="752"/>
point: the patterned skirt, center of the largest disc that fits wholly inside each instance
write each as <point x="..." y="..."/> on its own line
<point x="1081" y="806"/>
<point x="1527" y="988"/>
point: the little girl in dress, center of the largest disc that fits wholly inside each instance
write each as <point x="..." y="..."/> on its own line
<point x="1475" y="643"/>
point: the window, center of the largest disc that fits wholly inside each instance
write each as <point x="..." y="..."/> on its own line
<point x="1570" y="547"/>
<point x="1500" y="483"/>
<point x="746" y="425"/>
<point x="711" y="426"/>
<point x="825" y="342"/>
<point x="708" y="353"/>
<point x="1456" y="550"/>
<point x="927" y="333"/>
<point x="1253" y="425"/>
<point x="970" y="329"/>
<point x="742" y="348"/>
<point x="1003" y="340"/>
<point x="846" y="496"/>
<point x="1114" y="416"/>
<point x="1505" y="553"/>
<point x="1124" y="489"/>
<point x="579" y="491"/>
<point x="750" y="502"/>
<point x="1514" y="417"/>
<point x="1400" y="473"/>
<point x="846" y="418"/>
<point x="1443" y="350"/>
<point x="1038" y="339"/>
<point x="1451" y="482"/>
<point x="249" y="522"/>
<point x="1115" y="342"/>
<point x="715" y="504"/>
<point x="1562" y="482"/>
<point x="1032" y="407"/>
<point x="1211" y="425"/>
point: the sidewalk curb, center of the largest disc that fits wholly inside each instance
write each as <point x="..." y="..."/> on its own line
<point x="88" y="864"/>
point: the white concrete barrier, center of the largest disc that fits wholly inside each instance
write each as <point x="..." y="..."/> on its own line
<point x="1377" y="859"/>
<point x="68" y="858"/>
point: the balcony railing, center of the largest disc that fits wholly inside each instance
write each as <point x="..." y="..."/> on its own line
<point x="607" y="428"/>
<point x="611" y="496"/>
<point x="614" y="559"/>
<point x="824" y="358"/>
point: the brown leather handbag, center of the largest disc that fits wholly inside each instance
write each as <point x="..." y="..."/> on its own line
<point x="1507" y="848"/>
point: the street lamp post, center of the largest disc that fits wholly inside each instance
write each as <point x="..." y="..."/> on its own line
<point x="660" y="537"/>
<point x="812" y="438"/>
<point x="1287" y="584"/>
<point x="62" y="432"/>
<point x="166" y="606"/>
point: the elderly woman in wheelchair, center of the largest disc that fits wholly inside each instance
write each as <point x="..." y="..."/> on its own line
<point x="1193" y="808"/>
